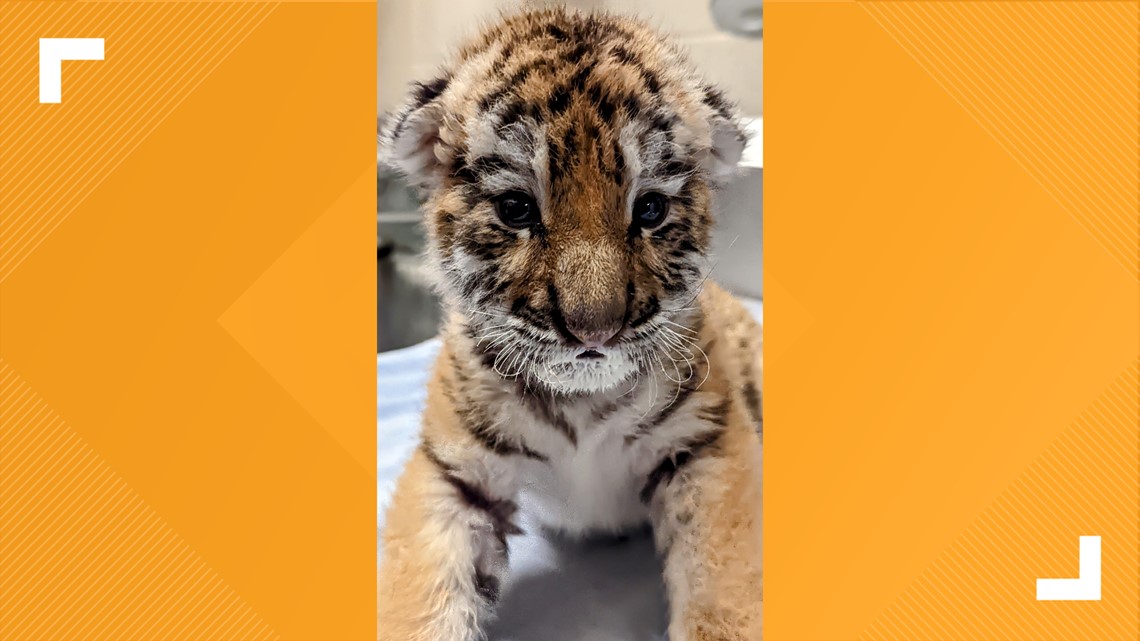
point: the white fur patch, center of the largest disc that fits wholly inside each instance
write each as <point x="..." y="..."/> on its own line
<point x="540" y="164"/>
<point x="727" y="149"/>
<point x="631" y="151"/>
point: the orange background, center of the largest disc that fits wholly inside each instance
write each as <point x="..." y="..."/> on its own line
<point x="951" y="317"/>
<point x="187" y="370"/>
<point x="188" y="374"/>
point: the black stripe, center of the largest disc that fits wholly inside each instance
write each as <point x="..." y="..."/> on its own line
<point x="484" y="248"/>
<point x="429" y="451"/>
<point x="631" y="105"/>
<point x="521" y="309"/>
<point x="672" y="464"/>
<point x="486" y="435"/>
<point x="715" y="99"/>
<point x="686" y="197"/>
<point x="674" y="286"/>
<point x="519" y="76"/>
<point x="401" y="123"/>
<point x="652" y="306"/>
<point x="603" y="102"/>
<point x="460" y="169"/>
<point x="555" y="170"/>
<point x="542" y="404"/>
<point x="614" y="32"/>
<point x="556" y="32"/>
<point x="670" y="231"/>
<point x="472" y="170"/>
<point x="494" y="441"/>
<point x="505" y="54"/>
<point x="625" y="56"/>
<point x="499" y="511"/>
<point x="425" y="92"/>
<point x="556" y="315"/>
<point x="558" y="101"/>
<point x="491" y="163"/>
<point x="578" y="81"/>
<point x="489" y="100"/>
<point x="570" y="143"/>
<point x="514" y="111"/>
<point x="535" y="335"/>
<point x="469" y="283"/>
<point x="647" y="426"/>
<point x="664" y="122"/>
<point x="460" y="374"/>
<point x="562" y="155"/>
<point x="603" y="412"/>
<point x="652" y="83"/>
<point x="576" y="54"/>
<point x="619" y="163"/>
<point x="752" y="398"/>
<point x="488" y="356"/>
<point x="716" y="414"/>
<point x="676" y="167"/>
<point x="630" y="294"/>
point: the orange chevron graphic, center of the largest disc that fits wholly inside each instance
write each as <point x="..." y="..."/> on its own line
<point x="84" y="556"/>
<point x="55" y="156"/>
<point x="1054" y="83"/>
<point x="983" y="585"/>
<point x="274" y="317"/>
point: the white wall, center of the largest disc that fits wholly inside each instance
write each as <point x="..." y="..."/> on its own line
<point x="415" y="35"/>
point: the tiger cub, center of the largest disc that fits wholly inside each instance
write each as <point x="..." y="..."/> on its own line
<point x="567" y="161"/>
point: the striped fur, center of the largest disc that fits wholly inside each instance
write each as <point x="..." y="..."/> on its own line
<point x="585" y="115"/>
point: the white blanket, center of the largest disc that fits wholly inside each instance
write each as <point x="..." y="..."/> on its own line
<point x="558" y="590"/>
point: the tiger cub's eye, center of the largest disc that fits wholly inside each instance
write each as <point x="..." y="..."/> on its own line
<point x="517" y="210"/>
<point x="649" y="210"/>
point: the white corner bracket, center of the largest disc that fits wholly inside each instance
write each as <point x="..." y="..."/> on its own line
<point x="53" y="51"/>
<point x="1086" y="587"/>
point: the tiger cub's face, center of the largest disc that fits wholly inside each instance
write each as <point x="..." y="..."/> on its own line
<point x="568" y="161"/>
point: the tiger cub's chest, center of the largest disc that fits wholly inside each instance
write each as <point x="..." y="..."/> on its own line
<point x="592" y="485"/>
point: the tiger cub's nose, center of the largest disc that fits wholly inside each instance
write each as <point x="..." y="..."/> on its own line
<point x="599" y="339"/>
<point x="597" y="326"/>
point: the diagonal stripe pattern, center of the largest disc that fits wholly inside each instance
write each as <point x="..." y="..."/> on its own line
<point x="1055" y="84"/>
<point x="983" y="586"/>
<point x="54" y="156"/>
<point x="84" y="556"/>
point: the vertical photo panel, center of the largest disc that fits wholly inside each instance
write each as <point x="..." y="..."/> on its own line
<point x="570" y="301"/>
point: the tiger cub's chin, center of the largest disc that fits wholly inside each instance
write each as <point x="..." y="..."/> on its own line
<point x="578" y="376"/>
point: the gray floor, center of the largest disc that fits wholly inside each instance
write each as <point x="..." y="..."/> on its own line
<point x="602" y="590"/>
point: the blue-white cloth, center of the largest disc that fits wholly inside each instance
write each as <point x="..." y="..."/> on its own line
<point x="558" y="590"/>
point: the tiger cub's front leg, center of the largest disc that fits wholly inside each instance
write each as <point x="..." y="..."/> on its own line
<point x="706" y="507"/>
<point x="444" y="554"/>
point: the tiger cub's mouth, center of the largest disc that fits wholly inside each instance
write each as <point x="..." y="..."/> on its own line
<point x="585" y="370"/>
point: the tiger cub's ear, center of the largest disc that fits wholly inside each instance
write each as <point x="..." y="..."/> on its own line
<point x="728" y="136"/>
<point x="410" y="139"/>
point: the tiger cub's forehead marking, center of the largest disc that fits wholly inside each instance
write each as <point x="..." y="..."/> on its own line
<point x="568" y="85"/>
<point x="574" y="88"/>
